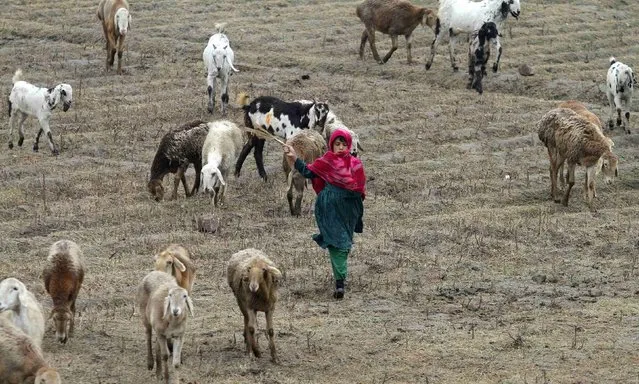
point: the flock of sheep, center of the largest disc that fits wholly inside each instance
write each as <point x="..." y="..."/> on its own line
<point x="571" y="133"/>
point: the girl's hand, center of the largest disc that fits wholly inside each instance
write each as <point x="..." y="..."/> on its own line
<point x="289" y="151"/>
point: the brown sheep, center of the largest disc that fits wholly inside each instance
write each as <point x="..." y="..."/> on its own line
<point x="116" y="22"/>
<point x="63" y="276"/>
<point x="254" y="279"/>
<point x="178" y="148"/>
<point x="570" y="137"/>
<point x="21" y="361"/>
<point x="175" y="260"/>
<point x="394" y="18"/>
<point x="309" y="145"/>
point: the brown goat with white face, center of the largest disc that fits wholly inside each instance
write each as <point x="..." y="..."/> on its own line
<point x="175" y="260"/>
<point x="254" y="279"/>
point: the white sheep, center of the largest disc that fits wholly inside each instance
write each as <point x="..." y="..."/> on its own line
<point x="621" y="82"/>
<point x="333" y="123"/>
<point x="163" y="306"/>
<point x="221" y="148"/>
<point x="466" y="16"/>
<point x="218" y="60"/>
<point x="175" y="260"/>
<point x="29" y="100"/>
<point x="22" y="307"/>
<point x="254" y="279"/>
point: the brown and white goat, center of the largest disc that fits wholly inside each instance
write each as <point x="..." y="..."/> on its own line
<point x="394" y="18"/>
<point x="21" y="361"/>
<point x="570" y="137"/>
<point x="63" y="276"/>
<point x="254" y="279"/>
<point x="116" y="23"/>
<point x="175" y="260"/>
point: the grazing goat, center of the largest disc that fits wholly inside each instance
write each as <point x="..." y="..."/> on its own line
<point x="116" y="23"/>
<point x="29" y="100"/>
<point x="63" y="276"/>
<point x="218" y="60"/>
<point x="333" y="123"/>
<point x="309" y="145"/>
<point x="279" y="118"/>
<point x="163" y="306"/>
<point x="254" y="279"/>
<point x="621" y="84"/>
<point x="175" y="260"/>
<point x="394" y="18"/>
<point x="221" y="147"/>
<point x="178" y="148"/>
<point x="466" y="16"/>
<point x="21" y="360"/>
<point x="570" y="137"/>
<point x="22" y="307"/>
<point x="479" y="52"/>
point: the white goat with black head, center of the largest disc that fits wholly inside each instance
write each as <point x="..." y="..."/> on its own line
<point x="621" y="84"/>
<point x="479" y="52"/>
<point x="218" y="59"/>
<point x="464" y="17"/>
<point x="29" y="100"/>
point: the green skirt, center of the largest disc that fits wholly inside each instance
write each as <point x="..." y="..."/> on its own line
<point x="338" y="213"/>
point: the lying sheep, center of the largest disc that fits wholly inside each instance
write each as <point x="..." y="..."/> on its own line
<point x="21" y="360"/>
<point x="219" y="152"/>
<point x="569" y="137"/>
<point x="254" y="279"/>
<point x="178" y="148"/>
<point x="218" y="59"/>
<point x="116" y="22"/>
<point x="621" y="82"/>
<point x="163" y="306"/>
<point x="22" y="308"/>
<point x="479" y="52"/>
<point x="394" y="18"/>
<point x="175" y="260"/>
<point x="29" y="100"/>
<point x="309" y="145"/>
<point x="63" y="276"/>
<point x="333" y="123"/>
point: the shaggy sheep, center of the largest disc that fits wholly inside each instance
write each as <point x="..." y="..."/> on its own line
<point x="254" y="279"/>
<point x="394" y="18"/>
<point x="22" y="307"/>
<point x="163" y="305"/>
<point x="218" y="60"/>
<point x="220" y="150"/>
<point x="569" y="137"/>
<point x="621" y="83"/>
<point x="63" y="276"/>
<point x="29" y="100"/>
<point x="178" y="148"/>
<point x="116" y="23"/>
<point x="333" y="123"/>
<point x="465" y="16"/>
<point x="21" y="360"/>
<point x="175" y="260"/>
<point x="479" y="52"/>
<point x="309" y="145"/>
<point x="279" y="118"/>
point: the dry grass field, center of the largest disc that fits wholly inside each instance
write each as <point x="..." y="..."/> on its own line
<point x="460" y="276"/>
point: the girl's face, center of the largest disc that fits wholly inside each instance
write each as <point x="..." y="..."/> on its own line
<point x="339" y="145"/>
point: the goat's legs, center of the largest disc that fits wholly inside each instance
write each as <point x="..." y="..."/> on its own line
<point x="11" y="122"/>
<point x="225" y="93"/>
<point x="250" y="143"/>
<point x="571" y="182"/>
<point x="362" y="45"/>
<point x="451" y="48"/>
<point x="433" y="49"/>
<point x="21" y="120"/>
<point x="149" y="347"/>
<point x="259" y="157"/>
<point x="210" y="79"/>
<point x="393" y="48"/>
<point x="496" y="63"/>
<point x="371" y="42"/>
<point x="553" y="176"/>
<point x="626" y="120"/>
<point x="120" y="49"/>
<point x="409" y="45"/>
<point x="611" y="102"/>
<point x="45" y="129"/>
<point x="271" y="335"/>
<point x="198" y="173"/>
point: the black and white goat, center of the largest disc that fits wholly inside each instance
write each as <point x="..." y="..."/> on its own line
<point x="29" y="100"/>
<point x="218" y="59"/>
<point x="280" y="118"/>
<point x="621" y="83"/>
<point x="479" y="52"/>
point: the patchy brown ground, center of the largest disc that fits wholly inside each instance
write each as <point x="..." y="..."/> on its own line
<point x="460" y="275"/>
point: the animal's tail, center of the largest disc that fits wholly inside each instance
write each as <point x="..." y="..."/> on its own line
<point x="17" y="76"/>
<point x="219" y="27"/>
<point x="612" y="60"/>
<point x="243" y="100"/>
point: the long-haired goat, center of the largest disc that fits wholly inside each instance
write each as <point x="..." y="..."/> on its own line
<point x="175" y="260"/>
<point x="63" y="276"/>
<point x="571" y="138"/>
<point x="621" y="83"/>
<point x="394" y="18"/>
<point x="218" y="59"/>
<point x="116" y="23"/>
<point x="22" y="307"/>
<point x="254" y="279"/>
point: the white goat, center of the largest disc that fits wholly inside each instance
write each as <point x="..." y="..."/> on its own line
<point x="479" y="52"/>
<point x="22" y="308"/>
<point x="621" y="82"/>
<point x="29" y="100"/>
<point x="221" y="148"/>
<point x="466" y="16"/>
<point x="218" y="59"/>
